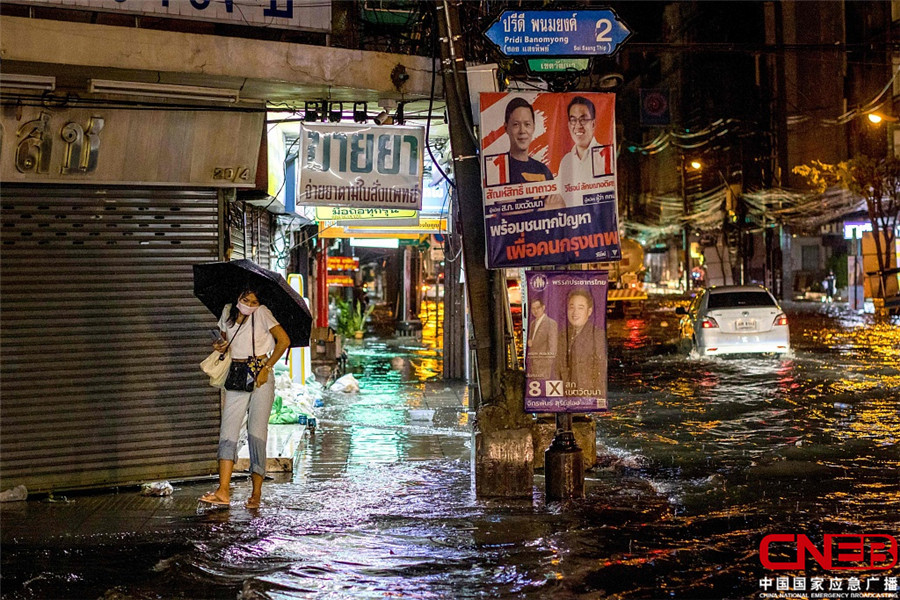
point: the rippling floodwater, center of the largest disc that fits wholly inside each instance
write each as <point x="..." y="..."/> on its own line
<point x="700" y="459"/>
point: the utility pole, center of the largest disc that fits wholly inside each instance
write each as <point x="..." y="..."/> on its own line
<point x="479" y="280"/>
<point x="686" y="229"/>
<point x="502" y="439"/>
<point x="774" y="255"/>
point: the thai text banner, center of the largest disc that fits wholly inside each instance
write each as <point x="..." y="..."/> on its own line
<point x="330" y="213"/>
<point x="367" y="217"/>
<point x="361" y="166"/>
<point x="565" y="343"/>
<point x="290" y="14"/>
<point x="423" y="226"/>
<point x="549" y="178"/>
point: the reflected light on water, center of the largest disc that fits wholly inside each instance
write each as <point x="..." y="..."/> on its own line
<point x="431" y="314"/>
<point x="701" y="459"/>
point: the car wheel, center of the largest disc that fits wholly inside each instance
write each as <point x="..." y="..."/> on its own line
<point x="695" y="348"/>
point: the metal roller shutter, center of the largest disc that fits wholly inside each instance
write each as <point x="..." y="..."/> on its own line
<point x="249" y="229"/>
<point x="101" y="336"/>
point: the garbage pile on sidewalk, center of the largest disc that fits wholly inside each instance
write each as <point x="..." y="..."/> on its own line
<point x="295" y="402"/>
<point x="347" y="384"/>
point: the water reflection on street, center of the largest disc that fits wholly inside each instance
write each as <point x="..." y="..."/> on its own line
<point x="700" y="459"/>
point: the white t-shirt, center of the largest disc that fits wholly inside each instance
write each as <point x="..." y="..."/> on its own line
<point x="241" y="346"/>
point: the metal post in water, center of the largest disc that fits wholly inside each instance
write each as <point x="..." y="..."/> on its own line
<point x="563" y="463"/>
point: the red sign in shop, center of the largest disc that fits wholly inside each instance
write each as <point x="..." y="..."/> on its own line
<point x="341" y="280"/>
<point x="343" y="263"/>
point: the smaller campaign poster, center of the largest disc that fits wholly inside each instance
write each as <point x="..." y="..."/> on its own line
<point x="565" y="347"/>
<point x="549" y="178"/>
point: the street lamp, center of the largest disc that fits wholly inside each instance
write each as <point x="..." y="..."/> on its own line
<point x="694" y="165"/>
<point x="877" y="117"/>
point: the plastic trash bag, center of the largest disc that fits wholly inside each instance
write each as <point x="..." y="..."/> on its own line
<point x="16" y="494"/>
<point x="292" y="405"/>
<point x="347" y="384"/>
<point x="421" y="415"/>
<point x="157" y="488"/>
<point x="287" y="415"/>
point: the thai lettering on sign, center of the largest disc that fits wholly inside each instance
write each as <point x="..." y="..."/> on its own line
<point x="364" y="166"/>
<point x="293" y="14"/>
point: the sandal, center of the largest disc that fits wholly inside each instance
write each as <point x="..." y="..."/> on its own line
<point x="211" y="498"/>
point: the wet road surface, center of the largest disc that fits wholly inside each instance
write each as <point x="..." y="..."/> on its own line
<point x="700" y="458"/>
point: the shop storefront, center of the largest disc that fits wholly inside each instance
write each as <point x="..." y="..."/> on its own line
<point x="104" y="211"/>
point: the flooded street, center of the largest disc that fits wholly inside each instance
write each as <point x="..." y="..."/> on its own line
<point x="700" y="458"/>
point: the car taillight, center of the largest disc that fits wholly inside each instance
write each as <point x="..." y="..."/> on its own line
<point x="709" y="323"/>
<point x="781" y="319"/>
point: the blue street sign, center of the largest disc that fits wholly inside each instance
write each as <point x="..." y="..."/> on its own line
<point x="558" y="32"/>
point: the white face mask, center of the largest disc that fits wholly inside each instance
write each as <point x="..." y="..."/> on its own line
<point x="246" y="310"/>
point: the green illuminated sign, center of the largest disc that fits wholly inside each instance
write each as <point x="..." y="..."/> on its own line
<point x="550" y="65"/>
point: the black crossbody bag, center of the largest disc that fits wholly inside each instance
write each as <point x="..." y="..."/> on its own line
<point x="242" y="374"/>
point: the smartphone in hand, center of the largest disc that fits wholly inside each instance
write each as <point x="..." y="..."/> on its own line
<point x="215" y="334"/>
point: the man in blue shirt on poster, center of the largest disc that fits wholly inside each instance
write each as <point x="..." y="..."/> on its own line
<point x="519" y="125"/>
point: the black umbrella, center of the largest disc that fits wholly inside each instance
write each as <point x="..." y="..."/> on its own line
<point x="219" y="283"/>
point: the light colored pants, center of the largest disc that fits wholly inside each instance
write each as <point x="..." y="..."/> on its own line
<point x="237" y="404"/>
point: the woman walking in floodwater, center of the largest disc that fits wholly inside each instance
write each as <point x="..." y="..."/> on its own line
<point x="257" y="340"/>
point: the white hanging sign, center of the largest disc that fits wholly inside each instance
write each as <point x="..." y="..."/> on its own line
<point x="359" y="165"/>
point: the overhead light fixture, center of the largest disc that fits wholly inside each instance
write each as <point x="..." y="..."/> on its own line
<point x="335" y="116"/>
<point x="311" y="112"/>
<point x="384" y="118"/>
<point x="41" y="83"/>
<point x="162" y="90"/>
<point x="360" y="112"/>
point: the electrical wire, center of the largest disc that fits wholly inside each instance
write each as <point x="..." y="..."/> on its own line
<point x="470" y="127"/>
<point x="51" y="100"/>
<point x="430" y="108"/>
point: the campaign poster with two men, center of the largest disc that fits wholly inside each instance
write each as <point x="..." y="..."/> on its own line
<point x="566" y="352"/>
<point x="549" y="178"/>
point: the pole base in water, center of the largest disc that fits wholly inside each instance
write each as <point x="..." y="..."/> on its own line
<point x="563" y="468"/>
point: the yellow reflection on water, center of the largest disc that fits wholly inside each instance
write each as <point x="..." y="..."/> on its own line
<point x="431" y="314"/>
<point x="880" y="339"/>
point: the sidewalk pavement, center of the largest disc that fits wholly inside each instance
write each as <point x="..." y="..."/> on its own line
<point x="108" y="515"/>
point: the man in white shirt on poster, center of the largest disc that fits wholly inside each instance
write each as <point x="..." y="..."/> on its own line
<point x="576" y="166"/>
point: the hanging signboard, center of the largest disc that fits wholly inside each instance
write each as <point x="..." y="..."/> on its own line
<point x="341" y="280"/>
<point x="367" y="216"/>
<point x="558" y="32"/>
<point x="549" y="178"/>
<point x="558" y="65"/>
<point x="332" y="230"/>
<point x="566" y="351"/>
<point x="337" y="229"/>
<point x="343" y="263"/>
<point x="289" y="14"/>
<point x="346" y="164"/>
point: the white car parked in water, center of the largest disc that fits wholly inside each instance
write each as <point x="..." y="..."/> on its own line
<point x="734" y="319"/>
